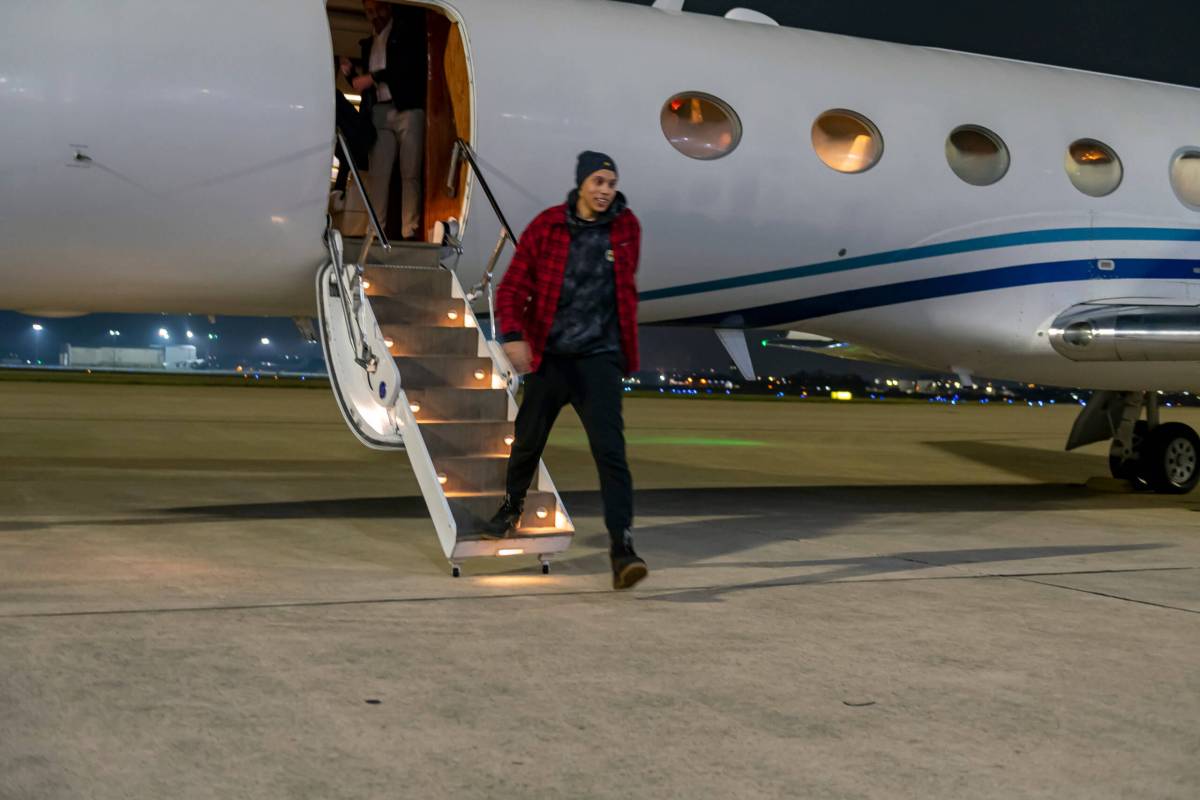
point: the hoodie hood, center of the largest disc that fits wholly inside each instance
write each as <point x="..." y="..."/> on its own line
<point x="614" y="210"/>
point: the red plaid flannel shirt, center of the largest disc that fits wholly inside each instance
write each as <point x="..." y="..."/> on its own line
<point x="528" y="295"/>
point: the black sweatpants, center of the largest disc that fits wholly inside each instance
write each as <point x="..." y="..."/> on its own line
<point x="592" y="385"/>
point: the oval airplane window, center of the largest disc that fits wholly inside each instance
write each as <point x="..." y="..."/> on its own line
<point x="1093" y="167"/>
<point x="701" y="126"/>
<point x="1185" y="177"/>
<point x="847" y="141"/>
<point x="976" y="155"/>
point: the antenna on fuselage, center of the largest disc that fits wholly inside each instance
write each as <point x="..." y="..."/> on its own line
<point x="749" y="15"/>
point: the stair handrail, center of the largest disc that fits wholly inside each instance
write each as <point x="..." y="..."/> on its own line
<point x="376" y="229"/>
<point x="352" y="298"/>
<point x="464" y="150"/>
<point x="350" y="276"/>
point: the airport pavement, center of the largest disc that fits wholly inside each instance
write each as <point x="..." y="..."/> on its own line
<point x="216" y="593"/>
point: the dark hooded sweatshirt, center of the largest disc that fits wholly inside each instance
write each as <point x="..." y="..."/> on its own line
<point x="585" y="323"/>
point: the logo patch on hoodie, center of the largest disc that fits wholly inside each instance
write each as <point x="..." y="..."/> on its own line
<point x="609" y="255"/>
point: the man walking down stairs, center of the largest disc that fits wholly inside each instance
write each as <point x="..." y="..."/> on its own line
<point x="567" y="313"/>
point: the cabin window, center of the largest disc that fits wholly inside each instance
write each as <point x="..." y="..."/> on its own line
<point x="976" y="155"/>
<point x="701" y="126"/>
<point x="847" y="141"/>
<point x="1093" y="167"/>
<point x="1185" y="177"/>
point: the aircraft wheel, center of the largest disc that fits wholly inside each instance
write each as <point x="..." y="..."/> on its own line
<point x="1131" y="470"/>
<point x="1171" y="459"/>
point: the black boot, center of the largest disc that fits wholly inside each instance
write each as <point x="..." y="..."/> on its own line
<point x="504" y="520"/>
<point x="628" y="568"/>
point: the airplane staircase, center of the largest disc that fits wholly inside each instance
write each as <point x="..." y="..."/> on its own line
<point x="413" y="370"/>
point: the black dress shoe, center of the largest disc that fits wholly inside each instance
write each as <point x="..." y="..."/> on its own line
<point x="504" y="520"/>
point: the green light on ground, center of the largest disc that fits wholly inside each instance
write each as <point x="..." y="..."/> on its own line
<point x="764" y="342"/>
<point x="674" y="441"/>
<point x="695" y="441"/>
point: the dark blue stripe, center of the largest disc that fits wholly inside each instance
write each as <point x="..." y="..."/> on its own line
<point x="945" y="286"/>
<point x="931" y="251"/>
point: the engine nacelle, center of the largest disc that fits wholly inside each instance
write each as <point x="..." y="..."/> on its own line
<point x="1100" y="332"/>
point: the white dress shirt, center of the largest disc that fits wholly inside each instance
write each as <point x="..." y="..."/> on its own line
<point x="378" y="61"/>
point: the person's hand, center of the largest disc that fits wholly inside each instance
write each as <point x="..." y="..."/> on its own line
<point x="345" y="66"/>
<point x="362" y="83"/>
<point x="519" y="355"/>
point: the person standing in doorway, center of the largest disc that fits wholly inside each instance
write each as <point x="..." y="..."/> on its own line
<point x="567" y="312"/>
<point x="393" y="95"/>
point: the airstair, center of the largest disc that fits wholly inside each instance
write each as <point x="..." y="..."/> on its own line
<point x="412" y="370"/>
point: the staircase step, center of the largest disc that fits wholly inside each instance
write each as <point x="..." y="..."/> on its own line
<point x="471" y="511"/>
<point x="467" y="438"/>
<point x="440" y="404"/>
<point x="412" y="283"/>
<point x="471" y="474"/>
<point x="462" y="372"/>
<point x="415" y="340"/>
<point x="409" y="254"/>
<point x="450" y="312"/>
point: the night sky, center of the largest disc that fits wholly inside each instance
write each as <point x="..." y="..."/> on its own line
<point x="1152" y="40"/>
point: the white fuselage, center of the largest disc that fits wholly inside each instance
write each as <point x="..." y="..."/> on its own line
<point x="209" y="128"/>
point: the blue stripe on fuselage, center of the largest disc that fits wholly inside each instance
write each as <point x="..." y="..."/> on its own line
<point x="946" y="286"/>
<point x="1017" y="239"/>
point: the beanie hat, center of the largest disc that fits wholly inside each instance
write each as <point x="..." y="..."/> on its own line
<point x="590" y="161"/>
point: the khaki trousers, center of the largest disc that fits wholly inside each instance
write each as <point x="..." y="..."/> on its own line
<point x="403" y="133"/>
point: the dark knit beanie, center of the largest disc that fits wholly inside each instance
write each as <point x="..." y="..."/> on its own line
<point x="590" y="161"/>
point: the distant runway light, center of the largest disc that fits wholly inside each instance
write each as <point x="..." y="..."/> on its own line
<point x="265" y="340"/>
<point x="190" y="335"/>
<point x="162" y="333"/>
<point x="38" y="327"/>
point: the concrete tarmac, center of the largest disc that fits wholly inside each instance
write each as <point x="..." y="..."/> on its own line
<point x="217" y="593"/>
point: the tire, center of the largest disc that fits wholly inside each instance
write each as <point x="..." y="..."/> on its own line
<point x="1170" y="460"/>
<point x="1131" y="470"/>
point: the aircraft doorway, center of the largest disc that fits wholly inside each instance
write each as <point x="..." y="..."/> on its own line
<point x="437" y="80"/>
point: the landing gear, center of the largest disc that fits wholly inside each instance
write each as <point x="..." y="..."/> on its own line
<point x="455" y="571"/>
<point x="545" y="566"/>
<point x="1152" y="455"/>
<point x="1125" y="464"/>
<point x="1169" y="459"/>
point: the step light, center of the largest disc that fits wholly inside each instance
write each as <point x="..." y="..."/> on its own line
<point x="389" y="343"/>
<point x="509" y="551"/>
<point x="366" y="284"/>
<point x="480" y="374"/>
<point x="508" y="440"/>
<point x="452" y="315"/>
<point x="415" y="407"/>
<point x="442" y="478"/>
<point x="542" y="513"/>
